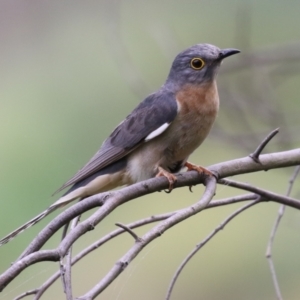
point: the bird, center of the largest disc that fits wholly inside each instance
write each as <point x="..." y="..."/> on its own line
<point x="158" y="136"/>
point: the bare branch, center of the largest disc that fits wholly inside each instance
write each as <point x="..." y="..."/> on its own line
<point x="28" y="293"/>
<point x="152" y="219"/>
<point x="111" y="200"/>
<point x="292" y="180"/>
<point x="67" y="280"/>
<point x="255" y="155"/>
<point x="20" y="265"/>
<point x="225" y="169"/>
<point x="273" y="233"/>
<point x="151" y="235"/>
<point x="62" y="274"/>
<point x="232" y="200"/>
<point x="130" y="231"/>
<point x="98" y="244"/>
<point x="205" y="241"/>
<point x="266" y="194"/>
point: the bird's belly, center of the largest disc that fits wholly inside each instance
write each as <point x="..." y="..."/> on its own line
<point x="142" y="163"/>
<point x="170" y="150"/>
<point x="185" y="138"/>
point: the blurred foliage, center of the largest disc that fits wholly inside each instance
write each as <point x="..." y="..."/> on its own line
<point x="71" y="71"/>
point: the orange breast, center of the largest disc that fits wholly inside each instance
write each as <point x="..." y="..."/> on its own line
<point x="203" y="100"/>
<point x="198" y="108"/>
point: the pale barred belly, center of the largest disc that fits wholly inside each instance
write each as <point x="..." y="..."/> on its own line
<point x="170" y="148"/>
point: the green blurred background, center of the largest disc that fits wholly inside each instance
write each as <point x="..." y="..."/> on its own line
<point x="72" y="70"/>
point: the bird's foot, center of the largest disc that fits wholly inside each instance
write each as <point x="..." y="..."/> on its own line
<point x="199" y="169"/>
<point x="171" y="178"/>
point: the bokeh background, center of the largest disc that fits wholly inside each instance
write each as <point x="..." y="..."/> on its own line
<point x="72" y="70"/>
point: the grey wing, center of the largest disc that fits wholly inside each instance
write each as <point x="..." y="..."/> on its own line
<point x="149" y="119"/>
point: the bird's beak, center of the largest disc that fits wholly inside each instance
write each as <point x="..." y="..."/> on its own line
<point x="228" y="52"/>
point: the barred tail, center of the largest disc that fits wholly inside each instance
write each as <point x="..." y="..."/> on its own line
<point x="59" y="203"/>
<point x="28" y="224"/>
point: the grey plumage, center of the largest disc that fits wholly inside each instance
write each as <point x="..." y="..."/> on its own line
<point x="154" y="111"/>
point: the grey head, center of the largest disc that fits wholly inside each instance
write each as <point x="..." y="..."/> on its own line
<point x="197" y="65"/>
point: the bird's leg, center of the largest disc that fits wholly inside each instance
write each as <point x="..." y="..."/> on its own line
<point x="171" y="178"/>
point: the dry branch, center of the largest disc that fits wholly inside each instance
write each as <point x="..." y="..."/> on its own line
<point x="281" y="211"/>
<point x="111" y="200"/>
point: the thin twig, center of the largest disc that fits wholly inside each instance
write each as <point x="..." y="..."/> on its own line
<point x="260" y="148"/>
<point x="280" y="214"/>
<point x="68" y="265"/>
<point x="65" y="231"/>
<point x="62" y="271"/>
<point x="264" y="193"/>
<point x="62" y="268"/>
<point x="205" y="241"/>
<point x="66" y="276"/>
<point x="292" y="180"/>
<point x="130" y="231"/>
<point x="28" y="293"/>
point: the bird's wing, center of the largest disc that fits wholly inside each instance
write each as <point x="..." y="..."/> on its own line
<point x="148" y="120"/>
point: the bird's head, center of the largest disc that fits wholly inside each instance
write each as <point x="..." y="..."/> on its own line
<point x="198" y="64"/>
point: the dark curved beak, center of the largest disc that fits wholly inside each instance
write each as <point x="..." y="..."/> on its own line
<point x="228" y="52"/>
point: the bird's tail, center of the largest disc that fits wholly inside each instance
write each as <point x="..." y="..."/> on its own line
<point x="59" y="203"/>
<point x="28" y="224"/>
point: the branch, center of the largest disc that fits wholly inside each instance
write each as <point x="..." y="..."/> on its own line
<point x="67" y="268"/>
<point x="28" y="293"/>
<point x="130" y="231"/>
<point x="96" y="245"/>
<point x="247" y="165"/>
<point x="273" y="233"/>
<point x="255" y="155"/>
<point x="108" y="202"/>
<point x="150" y="236"/>
<point x="266" y="194"/>
<point x="204" y="242"/>
<point x="111" y="200"/>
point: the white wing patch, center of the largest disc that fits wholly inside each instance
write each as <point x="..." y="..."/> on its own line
<point x="157" y="132"/>
<point x="178" y="106"/>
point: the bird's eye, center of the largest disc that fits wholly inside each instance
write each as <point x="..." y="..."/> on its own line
<point x="197" y="63"/>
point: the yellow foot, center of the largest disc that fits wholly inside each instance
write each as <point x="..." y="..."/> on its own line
<point x="171" y="178"/>
<point x="199" y="169"/>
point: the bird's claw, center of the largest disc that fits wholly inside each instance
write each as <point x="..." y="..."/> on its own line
<point x="199" y="169"/>
<point x="171" y="178"/>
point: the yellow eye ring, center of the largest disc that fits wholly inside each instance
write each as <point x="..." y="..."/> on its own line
<point x="197" y="63"/>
